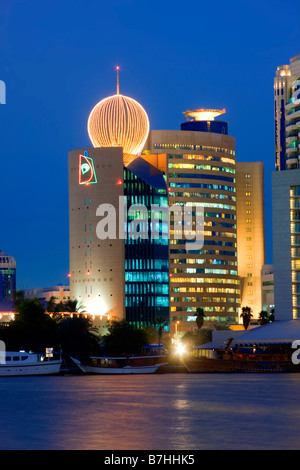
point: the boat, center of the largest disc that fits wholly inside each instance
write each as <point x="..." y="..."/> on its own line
<point x="148" y="362"/>
<point x="24" y="364"/>
<point x="241" y="360"/>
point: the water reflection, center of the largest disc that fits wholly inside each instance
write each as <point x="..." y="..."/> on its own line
<point x="176" y="411"/>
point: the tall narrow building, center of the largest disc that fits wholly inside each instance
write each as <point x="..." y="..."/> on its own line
<point x="250" y="232"/>
<point x="199" y="166"/>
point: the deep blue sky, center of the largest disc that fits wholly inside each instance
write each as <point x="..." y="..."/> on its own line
<point x="58" y="57"/>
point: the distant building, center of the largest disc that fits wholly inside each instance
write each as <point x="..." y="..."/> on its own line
<point x="267" y="288"/>
<point x="57" y="293"/>
<point x="250" y="232"/>
<point x="7" y="277"/>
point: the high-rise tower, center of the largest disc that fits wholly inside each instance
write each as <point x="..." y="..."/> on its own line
<point x="285" y="192"/>
<point x="199" y="164"/>
<point x="287" y="111"/>
<point x="250" y="232"/>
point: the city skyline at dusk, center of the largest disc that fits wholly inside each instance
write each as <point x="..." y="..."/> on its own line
<point x="58" y="63"/>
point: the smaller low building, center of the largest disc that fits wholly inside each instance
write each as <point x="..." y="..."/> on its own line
<point x="58" y="293"/>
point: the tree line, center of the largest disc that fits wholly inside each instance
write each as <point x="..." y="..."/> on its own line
<point x="36" y="328"/>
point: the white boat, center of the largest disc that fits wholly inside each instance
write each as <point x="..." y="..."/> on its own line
<point x="23" y="363"/>
<point x="147" y="363"/>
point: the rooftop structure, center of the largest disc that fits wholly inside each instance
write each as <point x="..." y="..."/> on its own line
<point x="119" y="121"/>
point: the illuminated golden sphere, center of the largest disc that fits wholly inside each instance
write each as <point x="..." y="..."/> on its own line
<point x="119" y="121"/>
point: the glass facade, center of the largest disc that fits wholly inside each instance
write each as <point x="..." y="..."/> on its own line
<point x="207" y="277"/>
<point x="146" y="258"/>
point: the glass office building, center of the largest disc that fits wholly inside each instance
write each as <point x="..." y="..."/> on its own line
<point x="146" y="259"/>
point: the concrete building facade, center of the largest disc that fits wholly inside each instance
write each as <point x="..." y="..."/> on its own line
<point x="97" y="269"/>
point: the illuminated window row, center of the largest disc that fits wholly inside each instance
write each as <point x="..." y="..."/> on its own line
<point x="205" y="299"/>
<point x="295" y="215"/>
<point x="203" y="176"/>
<point x="140" y="276"/>
<point x="217" y="187"/>
<point x="295" y="203"/>
<point x="220" y="234"/>
<point x="231" y="161"/>
<point x="198" y="260"/>
<point x="146" y="288"/>
<point x="206" y="242"/>
<point x="191" y="166"/>
<point x="215" y="290"/>
<point x="227" y="272"/>
<point x="186" y="270"/>
<point x="296" y="264"/>
<point x="203" y="280"/>
<point x="295" y="252"/>
<point x="153" y="301"/>
<point x="208" y="309"/>
<point x="194" y="147"/>
<point x="295" y="228"/>
<point x="192" y="186"/>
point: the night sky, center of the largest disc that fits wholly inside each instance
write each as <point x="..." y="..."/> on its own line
<point x="58" y="60"/>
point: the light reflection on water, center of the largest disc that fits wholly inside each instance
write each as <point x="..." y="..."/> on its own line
<point x="151" y="412"/>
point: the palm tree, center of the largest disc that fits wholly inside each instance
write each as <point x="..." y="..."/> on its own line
<point x="272" y="315"/>
<point x="77" y="336"/>
<point x="200" y="317"/>
<point x="51" y="305"/>
<point x="160" y="324"/>
<point x="246" y="316"/>
<point x="263" y="317"/>
<point x="19" y="298"/>
<point x="73" y="306"/>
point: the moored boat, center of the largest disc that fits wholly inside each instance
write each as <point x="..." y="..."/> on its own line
<point x="24" y="364"/>
<point x="237" y="360"/>
<point x="147" y="363"/>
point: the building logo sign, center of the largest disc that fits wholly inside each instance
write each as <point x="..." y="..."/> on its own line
<point x="87" y="173"/>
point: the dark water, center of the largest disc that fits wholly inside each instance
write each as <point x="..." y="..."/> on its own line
<point x="155" y="412"/>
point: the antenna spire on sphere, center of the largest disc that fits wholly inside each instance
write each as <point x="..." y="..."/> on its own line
<point x="118" y="85"/>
